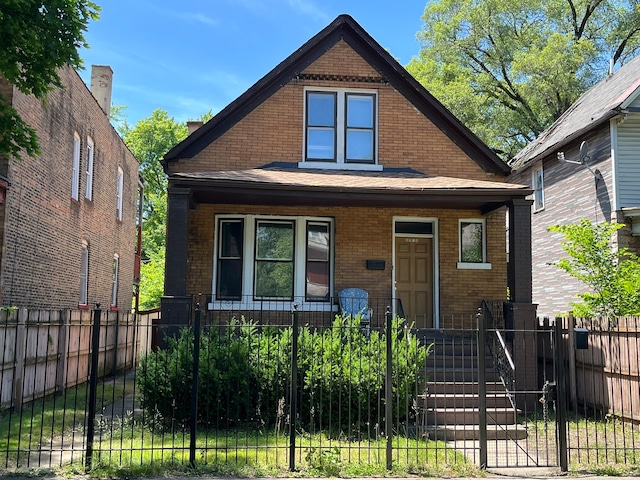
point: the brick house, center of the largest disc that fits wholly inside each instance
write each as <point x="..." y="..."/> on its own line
<point x="68" y="219"/>
<point x="336" y="170"/>
<point x="585" y="165"/>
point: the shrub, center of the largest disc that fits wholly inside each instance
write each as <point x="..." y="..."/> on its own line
<point x="245" y="375"/>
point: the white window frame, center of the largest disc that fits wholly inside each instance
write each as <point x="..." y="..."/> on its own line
<point x="483" y="265"/>
<point x="88" y="191"/>
<point x="340" y="162"/>
<point x="537" y="181"/>
<point x="84" y="275"/>
<point x="115" y="274"/>
<point x="247" y="298"/>
<point x="119" y="193"/>
<point x="75" y="169"/>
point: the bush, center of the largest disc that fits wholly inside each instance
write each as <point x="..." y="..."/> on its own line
<point x="245" y="375"/>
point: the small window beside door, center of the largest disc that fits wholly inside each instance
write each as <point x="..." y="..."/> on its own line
<point x="473" y="244"/>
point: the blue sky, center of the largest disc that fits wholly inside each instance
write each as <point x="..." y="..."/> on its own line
<point x="193" y="56"/>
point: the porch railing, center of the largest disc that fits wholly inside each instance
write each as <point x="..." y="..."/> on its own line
<point x="496" y="340"/>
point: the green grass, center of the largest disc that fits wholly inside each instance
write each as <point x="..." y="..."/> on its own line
<point x="242" y="453"/>
<point x="609" y="446"/>
<point x="45" y="418"/>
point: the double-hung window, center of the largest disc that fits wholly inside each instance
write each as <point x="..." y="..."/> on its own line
<point x="115" y="271"/>
<point x="260" y="258"/>
<point x="75" y="169"/>
<point x="119" y="190"/>
<point x="340" y="127"/>
<point x="473" y="244"/>
<point x="538" y="189"/>
<point x="88" y="192"/>
<point x="84" y="275"/>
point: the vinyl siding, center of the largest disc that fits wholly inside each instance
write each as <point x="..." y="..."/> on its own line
<point x="629" y="162"/>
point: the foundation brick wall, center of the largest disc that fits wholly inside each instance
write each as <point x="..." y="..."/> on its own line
<point x="44" y="227"/>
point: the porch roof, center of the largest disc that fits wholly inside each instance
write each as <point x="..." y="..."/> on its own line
<point x="390" y="188"/>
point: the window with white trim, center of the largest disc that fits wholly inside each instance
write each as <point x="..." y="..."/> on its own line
<point x="472" y="244"/>
<point x="119" y="190"/>
<point x="75" y="173"/>
<point x="538" y="189"/>
<point x="115" y="270"/>
<point x="88" y="192"/>
<point x="84" y="274"/>
<point x="273" y="258"/>
<point x="340" y="126"/>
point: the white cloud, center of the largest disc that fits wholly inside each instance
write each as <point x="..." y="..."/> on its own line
<point x="307" y="7"/>
<point x="199" y="17"/>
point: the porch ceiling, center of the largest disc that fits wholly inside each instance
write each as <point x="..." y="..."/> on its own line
<point x="407" y="189"/>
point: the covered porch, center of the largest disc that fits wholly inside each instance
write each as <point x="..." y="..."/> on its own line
<point x="373" y="225"/>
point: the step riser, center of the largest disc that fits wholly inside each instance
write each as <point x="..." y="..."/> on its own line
<point x="462" y="375"/>
<point x="453" y="401"/>
<point x="453" y="434"/>
<point x="453" y="388"/>
<point x="457" y="417"/>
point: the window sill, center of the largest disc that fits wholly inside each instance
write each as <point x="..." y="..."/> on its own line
<point x="273" y="305"/>
<point x="539" y="210"/>
<point x="473" y="266"/>
<point x="365" y="167"/>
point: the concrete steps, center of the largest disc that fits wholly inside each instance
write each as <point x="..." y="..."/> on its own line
<point x="450" y="408"/>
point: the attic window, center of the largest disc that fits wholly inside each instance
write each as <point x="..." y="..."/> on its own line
<point x="340" y="129"/>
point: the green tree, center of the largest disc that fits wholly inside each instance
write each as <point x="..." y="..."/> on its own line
<point x="613" y="276"/>
<point x="37" y="38"/>
<point x="149" y="140"/>
<point x="509" y="68"/>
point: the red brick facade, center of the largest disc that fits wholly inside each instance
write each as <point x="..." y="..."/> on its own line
<point x="43" y="228"/>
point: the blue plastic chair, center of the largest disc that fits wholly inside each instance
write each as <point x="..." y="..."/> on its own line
<point x="354" y="302"/>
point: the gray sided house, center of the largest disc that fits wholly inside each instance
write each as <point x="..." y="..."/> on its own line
<point x="586" y="165"/>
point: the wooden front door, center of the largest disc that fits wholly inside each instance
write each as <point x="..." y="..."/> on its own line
<point x="414" y="279"/>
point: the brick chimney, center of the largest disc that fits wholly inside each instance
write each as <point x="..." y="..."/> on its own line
<point x="193" y="125"/>
<point x="101" y="78"/>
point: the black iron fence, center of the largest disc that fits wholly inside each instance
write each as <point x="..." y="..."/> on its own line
<point x="306" y="389"/>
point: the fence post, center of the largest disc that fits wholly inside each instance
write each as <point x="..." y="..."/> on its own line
<point x="293" y="406"/>
<point x="561" y="405"/>
<point x="194" y="389"/>
<point x="482" y="388"/>
<point x="116" y="340"/>
<point x="20" y="354"/>
<point x="63" y="342"/>
<point x="388" y="388"/>
<point x="93" y="384"/>
<point x="573" y="389"/>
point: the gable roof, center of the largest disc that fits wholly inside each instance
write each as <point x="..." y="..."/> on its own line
<point x="597" y="105"/>
<point x="344" y="27"/>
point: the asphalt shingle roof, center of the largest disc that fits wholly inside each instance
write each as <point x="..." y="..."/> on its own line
<point x="595" y="106"/>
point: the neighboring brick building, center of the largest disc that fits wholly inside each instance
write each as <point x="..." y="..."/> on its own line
<point x="337" y="170"/>
<point x="586" y="165"/>
<point x="68" y="223"/>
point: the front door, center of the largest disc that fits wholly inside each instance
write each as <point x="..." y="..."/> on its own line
<point x="414" y="279"/>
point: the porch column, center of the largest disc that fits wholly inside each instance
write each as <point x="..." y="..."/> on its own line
<point x="175" y="304"/>
<point x="519" y="275"/>
<point x="522" y="313"/>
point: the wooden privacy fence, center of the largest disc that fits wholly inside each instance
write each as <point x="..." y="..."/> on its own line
<point x="605" y="376"/>
<point x="47" y="351"/>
